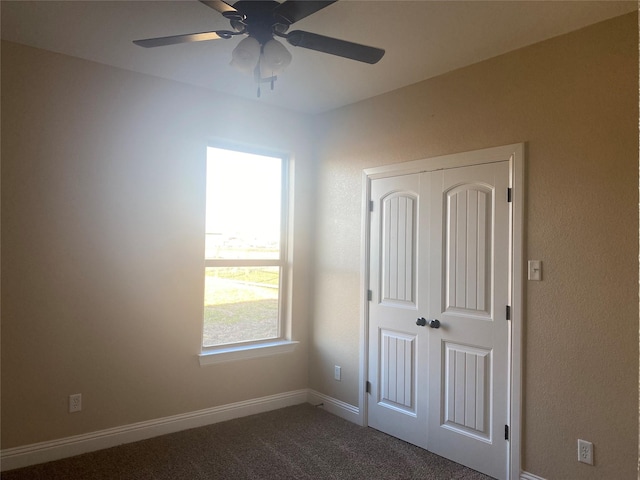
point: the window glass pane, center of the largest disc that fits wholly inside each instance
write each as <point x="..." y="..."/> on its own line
<point x="240" y="304"/>
<point x="243" y="205"/>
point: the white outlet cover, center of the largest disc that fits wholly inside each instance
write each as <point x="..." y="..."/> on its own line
<point x="585" y="452"/>
<point x="75" y="403"/>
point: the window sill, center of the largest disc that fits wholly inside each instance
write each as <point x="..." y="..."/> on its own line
<point x="243" y="352"/>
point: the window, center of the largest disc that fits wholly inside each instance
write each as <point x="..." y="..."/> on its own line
<point x="245" y="251"/>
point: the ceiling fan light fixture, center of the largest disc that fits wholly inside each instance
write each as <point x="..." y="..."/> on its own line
<point x="246" y="55"/>
<point x="274" y="59"/>
<point x="259" y="53"/>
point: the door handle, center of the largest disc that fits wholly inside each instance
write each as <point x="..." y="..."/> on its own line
<point x="421" y="322"/>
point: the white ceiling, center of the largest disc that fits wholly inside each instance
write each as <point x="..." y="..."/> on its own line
<point x="422" y="39"/>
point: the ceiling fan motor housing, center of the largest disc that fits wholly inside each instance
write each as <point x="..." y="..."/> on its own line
<point x="259" y="19"/>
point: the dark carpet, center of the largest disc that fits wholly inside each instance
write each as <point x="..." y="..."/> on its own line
<point x="299" y="442"/>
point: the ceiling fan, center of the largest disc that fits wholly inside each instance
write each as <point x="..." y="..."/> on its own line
<point x="262" y="20"/>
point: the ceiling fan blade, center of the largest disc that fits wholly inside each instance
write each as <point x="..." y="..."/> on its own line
<point x="333" y="46"/>
<point x="186" y="38"/>
<point x="294" y="10"/>
<point x="219" y="5"/>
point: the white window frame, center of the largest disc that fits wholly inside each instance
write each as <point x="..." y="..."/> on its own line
<point x="282" y="343"/>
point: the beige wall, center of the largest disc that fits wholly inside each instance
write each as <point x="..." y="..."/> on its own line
<point x="103" y="241"/>
<point x="574" y="100"/>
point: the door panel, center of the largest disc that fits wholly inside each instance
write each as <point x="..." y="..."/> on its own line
<point x="466" y="400"/>
<point x="467" y="217"/>
<point x="398" y="267"/>
<point x="397" y="364"/>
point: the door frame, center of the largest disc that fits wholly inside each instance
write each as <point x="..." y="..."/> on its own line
<point x="514" y="154"/>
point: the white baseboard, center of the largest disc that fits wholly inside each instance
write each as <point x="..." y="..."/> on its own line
<point x="70" y="446"/>
<point x="335" y="406"/>
<point x="529" y="476"/>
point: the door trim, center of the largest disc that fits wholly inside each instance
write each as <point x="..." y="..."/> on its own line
<point x="514" y="154"/>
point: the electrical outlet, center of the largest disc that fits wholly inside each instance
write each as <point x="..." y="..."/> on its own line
<point x="585" y="452"/>
<point x="337" y="372"/>
<point x="75" y="402"/>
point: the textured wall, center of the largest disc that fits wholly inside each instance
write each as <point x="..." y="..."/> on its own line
<point x="574" y="100"/>
<point x="103" y="243"/>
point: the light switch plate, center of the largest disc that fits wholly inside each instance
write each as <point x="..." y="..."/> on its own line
<point x="535" y="270"/>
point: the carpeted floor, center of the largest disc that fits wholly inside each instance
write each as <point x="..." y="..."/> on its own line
<point x="301" y="442"/>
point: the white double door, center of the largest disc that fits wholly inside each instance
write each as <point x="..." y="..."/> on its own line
<point x="439" y="250"/>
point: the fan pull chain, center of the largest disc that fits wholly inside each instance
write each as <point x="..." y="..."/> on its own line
<point x="256" y="71"/>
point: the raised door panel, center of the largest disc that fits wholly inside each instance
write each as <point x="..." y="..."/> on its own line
<point x="398" y="249"/>
<point x="466" y="402"/>
<point x="397" y="371"/>
<point x="467" y="272"/>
